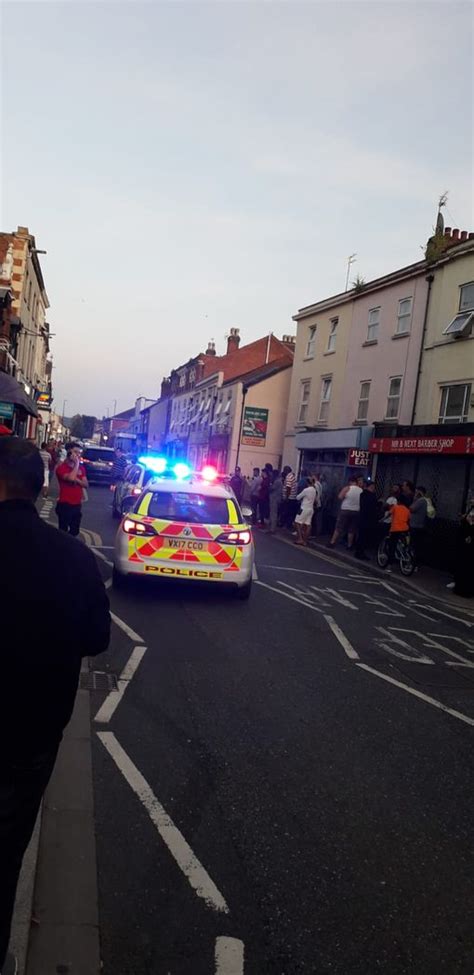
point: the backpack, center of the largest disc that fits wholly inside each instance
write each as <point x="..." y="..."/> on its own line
<point x="430" y="509"/>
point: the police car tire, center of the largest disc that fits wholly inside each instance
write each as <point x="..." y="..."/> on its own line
<point x="244" y="591"/>
<point x="119" y="580"/>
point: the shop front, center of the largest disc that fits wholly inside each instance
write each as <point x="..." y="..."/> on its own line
<point x="438" y="457"/>
<point x="18" y="412"/>
<point x="335" y="455"/>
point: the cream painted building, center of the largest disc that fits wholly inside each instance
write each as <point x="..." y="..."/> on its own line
<point x="446" y="379"/>
<point x="318" y="369"/>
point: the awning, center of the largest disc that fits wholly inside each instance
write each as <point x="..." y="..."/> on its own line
<point x="12" y="392"/>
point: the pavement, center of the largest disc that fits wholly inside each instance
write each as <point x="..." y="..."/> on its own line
<point x="280" y="787"/>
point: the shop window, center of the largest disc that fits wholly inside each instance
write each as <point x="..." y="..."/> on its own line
<point x="393" y="400"/>
<point x="454" y="406"/>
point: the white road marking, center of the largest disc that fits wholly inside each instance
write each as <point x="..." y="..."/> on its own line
<point x="443" y="636"/>
<point x="108" y="584"/>
<point x="254" y="573"/>
<point x="101" y="556"/>
<point x="339" y="599"/>
<point x="423" y="697"/>
<point x="170" y="834"/>
<point x="104" y="546"/>
<point x="288" y="596"/>
<point x="343" y="640"/>
<point x="127" y="629"/>
<point x="113" y="699"/>
<point x="433" y="609"/>
<point x="229" y="956"/>
<point x="430" y="642"/>
<point x="309" y="572"/>
<point x="306" y="597"/>
<point x="86" y="536"/>
<point x="414" y="657"/>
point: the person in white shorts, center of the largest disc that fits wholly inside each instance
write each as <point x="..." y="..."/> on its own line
<point x="303" y="520"/>
<point x="46" y="458"/>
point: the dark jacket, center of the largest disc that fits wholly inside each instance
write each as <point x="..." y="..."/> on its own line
<point x="54" y="610"/>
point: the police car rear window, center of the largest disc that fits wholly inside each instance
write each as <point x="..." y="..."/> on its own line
<point x="195" y="509"/>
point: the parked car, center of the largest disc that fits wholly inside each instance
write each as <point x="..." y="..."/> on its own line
<point x="98" y="462"/>
<point x="127" y="491"/>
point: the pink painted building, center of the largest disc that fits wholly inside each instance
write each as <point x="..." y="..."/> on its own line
<point x="383" y="349"/>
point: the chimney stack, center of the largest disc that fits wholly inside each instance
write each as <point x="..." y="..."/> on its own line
<point x="455" y="235"/>
<point x="211" y="348"/>
<point x="233" y="340"/>
<point x="463" y="234"/>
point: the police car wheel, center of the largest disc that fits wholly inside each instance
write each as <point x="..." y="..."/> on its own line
<point x="244" y="591"/>
<point x="119" y="580"/>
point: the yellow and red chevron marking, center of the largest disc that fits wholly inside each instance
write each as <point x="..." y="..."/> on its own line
<point x="229" y="557"/>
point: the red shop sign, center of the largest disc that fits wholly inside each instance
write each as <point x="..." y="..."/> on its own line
<point x="422" y="445"/>
<point x="358" y="458"/>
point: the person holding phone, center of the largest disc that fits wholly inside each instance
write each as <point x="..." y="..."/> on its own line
<point x="72" y="480"/>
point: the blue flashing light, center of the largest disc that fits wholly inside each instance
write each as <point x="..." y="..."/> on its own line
<point x="156" y="464"/>
<point x="181" y="470"/>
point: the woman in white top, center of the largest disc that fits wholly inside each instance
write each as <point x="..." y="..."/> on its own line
<point x="348" y="519"/>
<point x="303" y="521"/>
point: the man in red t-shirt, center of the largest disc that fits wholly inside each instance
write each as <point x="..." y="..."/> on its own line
<point x="71" y="475"/>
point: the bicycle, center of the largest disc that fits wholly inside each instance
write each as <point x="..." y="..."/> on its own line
<point x="404" y="555"/>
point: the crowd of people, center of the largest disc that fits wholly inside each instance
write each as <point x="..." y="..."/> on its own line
<point x="279" y="499"/>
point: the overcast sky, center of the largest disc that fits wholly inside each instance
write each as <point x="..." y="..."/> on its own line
<point x="191" y="166"/>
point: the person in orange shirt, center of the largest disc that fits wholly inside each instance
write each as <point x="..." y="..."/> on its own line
<point x="399" y="526"/>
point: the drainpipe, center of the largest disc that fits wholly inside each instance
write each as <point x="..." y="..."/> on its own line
<point x="430" y="279"/>
<point x="244" y="394"/>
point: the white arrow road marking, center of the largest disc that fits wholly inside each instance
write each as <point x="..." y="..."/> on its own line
<point x="113" y="699"/>
<point x="127" y="629"/>
<point x="170" y="834"/>
<point x="229" y="956"/>
<point x="432" y="609"/>
<point x="345" y="643"/>
<point x="423" y="697"/>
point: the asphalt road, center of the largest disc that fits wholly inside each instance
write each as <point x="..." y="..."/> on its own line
<point x="293" y="774"/>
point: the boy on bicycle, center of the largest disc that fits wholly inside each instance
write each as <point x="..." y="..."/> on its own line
<point x="399" y="528"/>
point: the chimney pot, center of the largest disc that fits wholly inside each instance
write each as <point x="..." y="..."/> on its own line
<point x="463" y="234"/>
<point x="211" y="348"/>
<point x="447" y="231"/>
<point x="455" y="234"/>
<point x="233" y="340"/>
<point x="470" y="236"/>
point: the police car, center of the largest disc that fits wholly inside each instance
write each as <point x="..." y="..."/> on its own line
<point x="185" y="526"/>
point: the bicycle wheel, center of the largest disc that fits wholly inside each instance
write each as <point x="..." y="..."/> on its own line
<point x="407" y="561"/>
<point x="382" y="553"/>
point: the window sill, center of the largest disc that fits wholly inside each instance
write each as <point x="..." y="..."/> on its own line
<point x="307" y="358"/>
<point x="321" y="423"/>
<point x="391" y="419"/>
<point x="370" y="342"/>
<point x="360" y="423"/>
<point x="400" y="335"/>
<point x="330" y="352"/>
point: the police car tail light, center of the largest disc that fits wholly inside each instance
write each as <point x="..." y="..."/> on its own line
<point x="137" y="528"/>
<point x="236" y="537"/>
